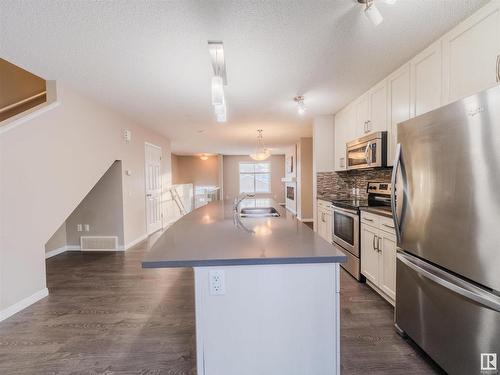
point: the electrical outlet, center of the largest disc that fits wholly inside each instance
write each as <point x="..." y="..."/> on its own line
<point x="217" y="282"/>
<point x="87" y="227"/>
<point x="79" y="228"/>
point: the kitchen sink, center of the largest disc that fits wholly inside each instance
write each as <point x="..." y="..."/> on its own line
<point x="259" y="212"/>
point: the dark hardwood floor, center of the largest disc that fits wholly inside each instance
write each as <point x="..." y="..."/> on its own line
<point x="107" y="315"/>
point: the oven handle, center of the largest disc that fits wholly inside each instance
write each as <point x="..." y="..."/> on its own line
<point x="347" y="212"/>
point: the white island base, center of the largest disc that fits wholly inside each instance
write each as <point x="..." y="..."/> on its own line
<point x="278" y="319"/>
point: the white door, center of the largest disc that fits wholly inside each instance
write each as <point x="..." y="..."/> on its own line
<point x="387" y="270"/>
<point x="321" y="222"/>
<point x="398" y="106"/>
<point x="470" y="54"/>
<point x="344" y="132"/>
<point x="378" y="108"/>
<point x="426" y="80"/>
<point x="328" y="227"/>
<point x="362" y="115"/>
<point x="153" y="188"/>
<point x="369" y="253"/>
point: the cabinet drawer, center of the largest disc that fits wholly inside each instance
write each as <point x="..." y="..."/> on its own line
<point x="370" y="219"/>
<point x="324" y="204"/>
<point x="387" y="225"/>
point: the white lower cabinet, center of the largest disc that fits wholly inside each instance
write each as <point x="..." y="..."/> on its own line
<point x="387" y="263"/>
<point x="325" y="220"/>
<point x="369" y="253"/>
<point x="378" y="255"/>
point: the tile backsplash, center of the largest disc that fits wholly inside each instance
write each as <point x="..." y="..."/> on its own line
<point x="341" y="183"/>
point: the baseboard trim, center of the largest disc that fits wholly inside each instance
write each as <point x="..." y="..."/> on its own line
<point x="53" y="253"/>
<point x="135" y="242"/>
<point x="306" y="220"/>
<point x="24" y="303"/>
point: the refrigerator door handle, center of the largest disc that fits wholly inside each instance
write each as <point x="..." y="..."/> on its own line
<point x="397" y="162"/>
<point x="451" y="282"/>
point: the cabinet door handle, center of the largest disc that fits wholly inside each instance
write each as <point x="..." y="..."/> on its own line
<point x="388" y="226"/>
<point x="367" y="219"/>
<point x="378" y="245"/>
<point x="373" y="243"/>
<point x="498" y="68"/>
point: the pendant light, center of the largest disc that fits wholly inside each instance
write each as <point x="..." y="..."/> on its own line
<point x="219" y="79"/>
<point x="261" y="153"/>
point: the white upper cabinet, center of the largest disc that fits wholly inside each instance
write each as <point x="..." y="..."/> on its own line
<point x="470" y="54"/>
<point x="371" y="110"/>
<point x="344" y="132"/>
<point x="463" y="62"/>
<point x="426" y="80"/>
<point x="362" y="106"/>
<point x="398" y="106"/>
<point x="378" y="108"/>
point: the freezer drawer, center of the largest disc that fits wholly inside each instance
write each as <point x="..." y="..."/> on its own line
<point x="450" y="319"/>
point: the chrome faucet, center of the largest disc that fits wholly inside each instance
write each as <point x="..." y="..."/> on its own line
<point x="240" y="198"/>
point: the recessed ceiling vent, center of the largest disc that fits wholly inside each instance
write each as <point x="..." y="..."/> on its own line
<point x="99" y="243"/>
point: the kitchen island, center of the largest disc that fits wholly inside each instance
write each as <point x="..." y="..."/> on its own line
<point x="266" y="290"/>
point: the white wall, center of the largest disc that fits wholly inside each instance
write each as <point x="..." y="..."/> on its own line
<point x="58" y="239"/>
<point x="48" y="165"/>
<point x="188" y="169"/>
<point x="323" y="152"/>
<point x="305" y="179"/>
<point x="101" y="209"/>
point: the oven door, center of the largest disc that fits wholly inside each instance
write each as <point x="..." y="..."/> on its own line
<point x="365" y="154"/>
<point x="346" y="229"/>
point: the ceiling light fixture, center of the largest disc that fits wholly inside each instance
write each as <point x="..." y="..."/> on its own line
<point x="261" y="153"/>
<point x="372" y="12"/>
<point x="301" y="107"/>
<point x="204" y="157"/>
<point x="219" y="80"/>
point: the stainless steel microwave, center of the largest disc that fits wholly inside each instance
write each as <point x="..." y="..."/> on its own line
<point x="369" y="151"/>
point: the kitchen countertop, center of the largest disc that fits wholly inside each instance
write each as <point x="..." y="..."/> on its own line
<point x="383" y="211"/>
<point x="330" y="197"/>
<point x="210" y="236"/>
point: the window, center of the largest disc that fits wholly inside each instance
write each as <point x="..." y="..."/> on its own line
<point x="255" y="177"/>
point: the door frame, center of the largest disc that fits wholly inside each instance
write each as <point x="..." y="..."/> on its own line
<point x="146" y="145"/>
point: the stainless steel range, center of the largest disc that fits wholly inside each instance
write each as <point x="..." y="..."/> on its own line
<point x="346" y="229"/>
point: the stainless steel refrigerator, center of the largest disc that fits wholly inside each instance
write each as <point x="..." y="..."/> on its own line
<point x="446" y="208"/>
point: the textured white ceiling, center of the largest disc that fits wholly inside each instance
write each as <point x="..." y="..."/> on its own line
<point x="149" y="59"/>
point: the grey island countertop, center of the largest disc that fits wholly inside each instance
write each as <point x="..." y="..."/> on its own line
<point x="210" y="236"/>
